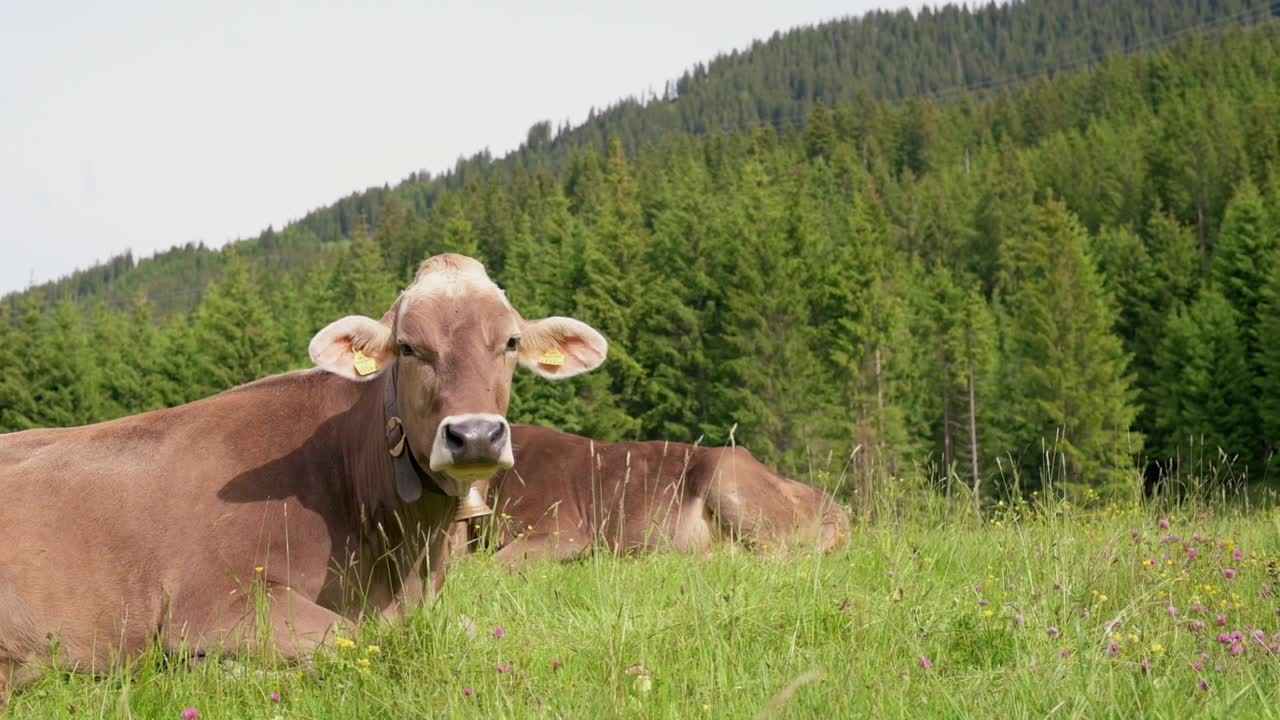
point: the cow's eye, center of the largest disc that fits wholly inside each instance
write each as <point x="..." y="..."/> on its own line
<point x="406" y="349"/>
<point x="513" y="344"/>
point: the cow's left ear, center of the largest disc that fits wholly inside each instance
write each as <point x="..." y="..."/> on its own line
<point x="561" y="347"/>
<point x="355" y="347"/>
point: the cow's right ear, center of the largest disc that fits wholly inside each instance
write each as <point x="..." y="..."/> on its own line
<point x="355" y="347"/>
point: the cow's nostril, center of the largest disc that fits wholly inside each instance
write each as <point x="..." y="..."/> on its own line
<point x="453" y="440"/>
<point x="497" y="434"/>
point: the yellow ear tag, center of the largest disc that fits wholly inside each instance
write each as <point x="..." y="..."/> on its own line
<point x="365" y="365"/>
<point x="552" y="357"/>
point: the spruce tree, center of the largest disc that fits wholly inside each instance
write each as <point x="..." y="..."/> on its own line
<point x="65" y="385"/>
<point x="1206" y="399"/>
<point x="956" y="326"/>
<point x="237" y="340"/>
<point x="402" y="239"/>
<point x="362" y="285"/>
<point x="1242" y="258"/>
<point x="770" y="376"/>
<point x="537" y="286"/>
<point x="12" y="377"/>
<point x="1068" y="391"/>
<point x="148" y="355"/>
<point x="682" y="302"/>
<point x="318" y="301"/>
<point x="612" y="283"/>
<point x="20" y="410"/>
<point x="854" y="316"/>
<point x="1267" y="382"/>
<point x="449" y="230"/>
<point x="179" y="375"/>
<point x="119" y="358"/>
<point x="286" y="303"/>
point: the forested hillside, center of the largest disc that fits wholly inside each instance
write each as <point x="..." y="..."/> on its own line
<point x="1085" y="265"/>
<point x="939" y="55"/>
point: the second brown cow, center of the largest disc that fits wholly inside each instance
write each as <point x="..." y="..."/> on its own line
<point x="567" y="494"/>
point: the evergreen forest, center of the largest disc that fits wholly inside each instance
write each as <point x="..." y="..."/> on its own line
<point x="859" y="248"/>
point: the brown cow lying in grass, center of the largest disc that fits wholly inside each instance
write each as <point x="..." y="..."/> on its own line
<point x="326" y="494"/>
<point x="567" y="494"/>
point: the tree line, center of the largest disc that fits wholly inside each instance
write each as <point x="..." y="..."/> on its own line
<point x="1082" y="268"/>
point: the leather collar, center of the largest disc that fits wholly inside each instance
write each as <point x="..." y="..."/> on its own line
<point x="411" y="478"/>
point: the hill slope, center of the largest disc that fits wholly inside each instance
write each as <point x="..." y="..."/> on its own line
<point x="940" y="54"/>
<point x="1085" y="267"/>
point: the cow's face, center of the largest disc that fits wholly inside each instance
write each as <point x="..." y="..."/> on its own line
<point x="455" y="342"/>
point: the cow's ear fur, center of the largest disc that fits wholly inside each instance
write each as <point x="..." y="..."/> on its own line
<point x="334" y="347"/>
<point x="574" y="344"/>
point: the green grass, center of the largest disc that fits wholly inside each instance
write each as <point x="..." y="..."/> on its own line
<point x="841" y="635"/>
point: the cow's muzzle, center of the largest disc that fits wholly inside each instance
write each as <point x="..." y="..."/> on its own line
<point x="469" y="448"/>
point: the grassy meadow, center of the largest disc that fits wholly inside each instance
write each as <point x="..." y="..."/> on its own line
<point x="1039" y="610"/>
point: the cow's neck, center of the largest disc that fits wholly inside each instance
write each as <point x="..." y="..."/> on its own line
<point x="357" y="449"/>
<point x="395" y="548"/>
<point x="374" y="480"/>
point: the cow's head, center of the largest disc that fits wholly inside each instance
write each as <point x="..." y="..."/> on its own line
<point x="455" y="341"/>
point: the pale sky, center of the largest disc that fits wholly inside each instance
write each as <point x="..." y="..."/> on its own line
<point x="136" y="125"/>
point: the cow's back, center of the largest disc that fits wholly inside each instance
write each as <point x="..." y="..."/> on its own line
<point x="645" y="496"/>
<point x="627" y="496"/>
<point x="134" y="515"/>
<point x="65" y="529"/>
<point x="747" y="501"/>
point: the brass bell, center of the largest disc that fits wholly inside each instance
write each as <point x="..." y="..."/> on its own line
<point x="473" y="505"/>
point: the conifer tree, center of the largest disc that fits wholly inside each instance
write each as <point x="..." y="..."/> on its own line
<point x="820" y="133"/>
<point x="450" y="231"/>
<point x="178" y="374"/>
<point x="770" y="374"/>
<point x="853" y="314"/>
<point x="681" y="304"/>
<point x="537" y="286"/>
<point x="65" y="386"/>
<point x="286" y="303"/>
<point x="362" y="283"/>
<point x="975" y="339"/>
<point x="1175" y="262"/>
<point x="1242" y="259"/>
<point x="12" y="377"/>
<point x="610" y="290"/>
<point x="401" y="237"/>
<point x="1268" y="378"/>
<point x="19" y="410"/>
<point x="119" y="358"/>
<point x="1069" y="390"/>
<point x="1132" y="279"/>
<point x="957" y="327"/>
<point x="147" y="356"/>
<point x="318" y="300"/>
<point x="1004" y="209"/>
<point x="237" y="340"/>
<point x="1206" y="397"/>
